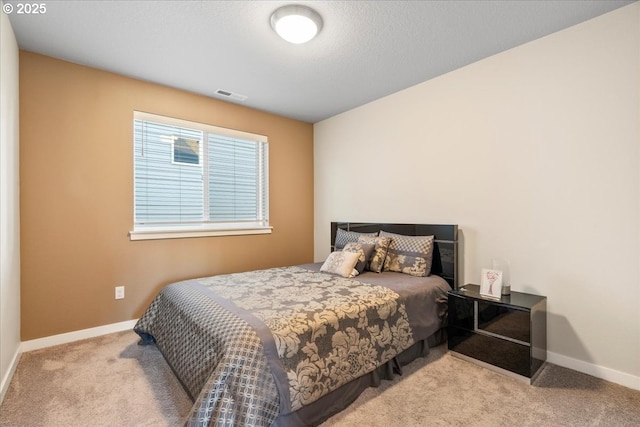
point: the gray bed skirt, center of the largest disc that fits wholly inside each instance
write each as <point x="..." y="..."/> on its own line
<point x="334" y="402"/>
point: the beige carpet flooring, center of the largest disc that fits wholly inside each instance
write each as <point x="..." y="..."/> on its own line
<point x="111" y="381"/>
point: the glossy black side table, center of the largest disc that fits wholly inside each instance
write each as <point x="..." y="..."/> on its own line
<point x="508" y="335"/>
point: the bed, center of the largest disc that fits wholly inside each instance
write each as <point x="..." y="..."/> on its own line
<point x="292" y="346"/>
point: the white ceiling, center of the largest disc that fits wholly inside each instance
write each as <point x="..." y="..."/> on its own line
<point x="366" y="49"/>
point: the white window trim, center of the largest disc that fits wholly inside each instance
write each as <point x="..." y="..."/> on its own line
<point x="180" y="231"/>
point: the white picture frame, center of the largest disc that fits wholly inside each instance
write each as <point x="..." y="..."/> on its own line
<point x="491" y="283"/>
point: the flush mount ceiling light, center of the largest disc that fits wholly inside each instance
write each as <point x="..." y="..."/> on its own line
<point x="296" y="23"/>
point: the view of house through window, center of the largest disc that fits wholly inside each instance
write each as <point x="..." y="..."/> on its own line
<point x="192" y="176"/>
<point x="186" y="151"/>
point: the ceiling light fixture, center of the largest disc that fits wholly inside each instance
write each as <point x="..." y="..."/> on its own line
<point x="296" y="23"/>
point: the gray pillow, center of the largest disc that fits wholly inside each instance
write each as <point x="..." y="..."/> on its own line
<point x="364" y="251"/>
<point x="381" y="244"/>
<point x="343" y="237"/>
<point x="411" y="255"/>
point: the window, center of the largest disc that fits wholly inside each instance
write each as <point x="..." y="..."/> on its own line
<point x="192" y="179"/>
<point x="186" y="151"/>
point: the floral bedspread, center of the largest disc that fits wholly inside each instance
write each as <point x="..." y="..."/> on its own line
<point x="314" y="331"/>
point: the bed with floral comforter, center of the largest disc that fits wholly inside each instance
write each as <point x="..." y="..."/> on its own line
<point x="254" y="348"/>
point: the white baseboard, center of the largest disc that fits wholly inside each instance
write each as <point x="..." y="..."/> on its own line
<point x="608" y="374"/>
<point x="4" y="385"/>
<point x="622" y="378"/>
<point x="76" y="335"/>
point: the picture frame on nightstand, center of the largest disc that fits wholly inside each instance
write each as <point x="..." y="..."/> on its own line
<point x="491" y="283"/>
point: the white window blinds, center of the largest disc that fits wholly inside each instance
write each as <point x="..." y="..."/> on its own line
<point x="194" y="176"/>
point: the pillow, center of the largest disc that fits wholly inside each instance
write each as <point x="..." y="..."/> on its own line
<point x="343" y="237"/>
<point x="341" y="263"/>
<point x="381" y="244"/>
<point x="364" y="251"/>
<point x="409" y="254"/>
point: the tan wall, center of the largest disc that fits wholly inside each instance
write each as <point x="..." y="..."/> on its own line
<point x="76" y="171"/>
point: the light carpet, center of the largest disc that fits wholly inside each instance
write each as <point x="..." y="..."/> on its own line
<point x="112" y="381"/>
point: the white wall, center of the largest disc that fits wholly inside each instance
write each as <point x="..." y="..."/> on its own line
<point x="9" y="205"/>
<point x="534" y="153"/>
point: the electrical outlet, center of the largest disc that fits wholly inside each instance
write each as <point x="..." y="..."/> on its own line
<point x="119" y="292"/>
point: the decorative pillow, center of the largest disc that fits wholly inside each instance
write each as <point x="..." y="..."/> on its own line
<point x="409" y="254"/>
<point x="343" y="237"/>
<point x="381" y="245"/>
<point x="364" y="251"/>
<point x="341" y="263"/>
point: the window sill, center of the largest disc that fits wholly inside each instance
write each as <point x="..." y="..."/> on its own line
<point x="155" y="234"/>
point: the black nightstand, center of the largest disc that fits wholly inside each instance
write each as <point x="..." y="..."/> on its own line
<point x="508" y="335"/>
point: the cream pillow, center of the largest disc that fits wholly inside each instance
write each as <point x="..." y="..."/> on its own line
<point x="341" y="263"/>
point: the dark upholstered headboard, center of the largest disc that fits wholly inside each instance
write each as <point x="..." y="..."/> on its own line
<point x="445" y="251"/>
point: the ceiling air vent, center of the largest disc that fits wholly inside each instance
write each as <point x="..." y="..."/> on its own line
<point x="231" y="95"/>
